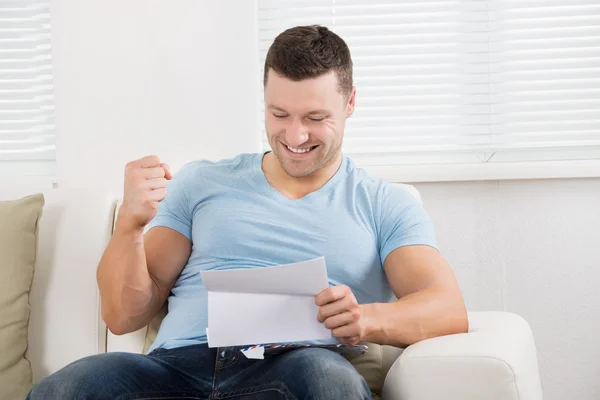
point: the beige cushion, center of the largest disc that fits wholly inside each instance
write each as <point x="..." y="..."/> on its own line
<point x="18" y="246"/>
<point x="153" y="328"/>
<point x="370" y="366"/>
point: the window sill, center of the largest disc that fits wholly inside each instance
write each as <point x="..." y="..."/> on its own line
<point x="28" y="182"/>
<point x="35" y="174"/>
<point x="485" y="172"/>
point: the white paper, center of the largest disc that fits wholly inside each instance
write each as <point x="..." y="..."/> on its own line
<point x="265" y="305"/>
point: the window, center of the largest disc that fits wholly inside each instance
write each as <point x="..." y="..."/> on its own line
<point x="27" y="142"/>
<point x="464" y="89"/>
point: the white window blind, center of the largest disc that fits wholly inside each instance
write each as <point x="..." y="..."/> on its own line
<point x="462" y="82"/>
<point x="27" y="140"/>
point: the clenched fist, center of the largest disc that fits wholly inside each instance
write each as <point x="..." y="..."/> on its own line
<point x="145" y="186"/>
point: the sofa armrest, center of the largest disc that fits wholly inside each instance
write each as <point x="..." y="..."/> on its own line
<point x="496" y="360"/>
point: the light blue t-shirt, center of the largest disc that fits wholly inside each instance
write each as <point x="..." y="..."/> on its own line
<point x="236" y="219"/>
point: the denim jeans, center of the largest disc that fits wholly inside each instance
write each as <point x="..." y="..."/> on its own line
<point x="198" y="372"/>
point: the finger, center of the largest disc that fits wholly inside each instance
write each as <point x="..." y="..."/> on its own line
<point x="331" y="294"/>
<point x="156" y="183"/>
<point x="336" y="321"/>
<point x="337" y="307"/>
<point x="350" y="340"/>
<point x="346" y="331"/>
<point x="167" y="169"/>
<point x="157" y="194"/>
<point x="149" y="161"/>
<point x="152" y="173"/>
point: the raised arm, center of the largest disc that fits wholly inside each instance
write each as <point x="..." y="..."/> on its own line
<point x="137" y="271"/>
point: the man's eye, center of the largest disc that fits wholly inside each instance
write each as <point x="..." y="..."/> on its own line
<point x="279" y="116"/>
<point x="316" y="119"/>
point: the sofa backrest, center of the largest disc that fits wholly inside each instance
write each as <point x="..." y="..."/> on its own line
<point x="65" y="323"/>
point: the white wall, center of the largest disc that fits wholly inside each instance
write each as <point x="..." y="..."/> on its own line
<point x="146" y="76"/>
<point x="531" y="247"/>
<point x="176" y="79"/>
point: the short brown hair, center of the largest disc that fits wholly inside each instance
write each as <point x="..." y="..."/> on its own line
<point x="306" y="52"/>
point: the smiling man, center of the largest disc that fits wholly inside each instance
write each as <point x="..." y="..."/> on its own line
<point x="302" y="200"/>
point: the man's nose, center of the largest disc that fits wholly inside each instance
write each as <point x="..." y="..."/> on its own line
<point x="296" y="135"/>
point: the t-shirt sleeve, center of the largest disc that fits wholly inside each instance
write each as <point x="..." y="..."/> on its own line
<point x="403" y="221"/>
<point x="175" y="210"/>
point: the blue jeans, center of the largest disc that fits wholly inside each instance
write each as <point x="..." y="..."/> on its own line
<point x="197" y="372"/>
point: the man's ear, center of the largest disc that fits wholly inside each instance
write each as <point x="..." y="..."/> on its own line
<point x="351" y="102"/>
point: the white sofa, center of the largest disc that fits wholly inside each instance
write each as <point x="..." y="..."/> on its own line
<point x="496" y="360"/>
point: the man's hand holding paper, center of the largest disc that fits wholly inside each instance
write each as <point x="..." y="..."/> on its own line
<point x="339" y="311"/>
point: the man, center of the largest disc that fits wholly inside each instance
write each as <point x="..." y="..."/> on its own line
<point x="303" y="200"/>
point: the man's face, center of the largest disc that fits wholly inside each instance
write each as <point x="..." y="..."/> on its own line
<point x="305" y="121"/>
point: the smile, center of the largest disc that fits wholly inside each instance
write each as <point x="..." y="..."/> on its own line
<point x="300" y="151"/>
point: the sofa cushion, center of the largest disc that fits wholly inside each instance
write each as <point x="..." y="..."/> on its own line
<point x="18" y="245"/>
<point x="370" y="366"/>
<point x="154" y="326"/>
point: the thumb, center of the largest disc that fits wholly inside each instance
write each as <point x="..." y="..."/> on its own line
<point x="167" y="170"/>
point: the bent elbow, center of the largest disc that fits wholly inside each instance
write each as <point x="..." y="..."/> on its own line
<point x="463" y="323"/>
<point x="117" y="326"/>
<point x="117" y="329"/>
<point x="460" y="322"/>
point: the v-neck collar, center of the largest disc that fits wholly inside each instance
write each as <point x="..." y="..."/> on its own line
<point x="314" y="199"/>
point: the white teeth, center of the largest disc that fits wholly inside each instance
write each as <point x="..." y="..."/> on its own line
<point x="299" y="150"/>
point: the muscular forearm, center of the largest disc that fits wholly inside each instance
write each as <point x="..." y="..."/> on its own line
<point x="126" y="288"/>
<point x="421" y="315"/>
